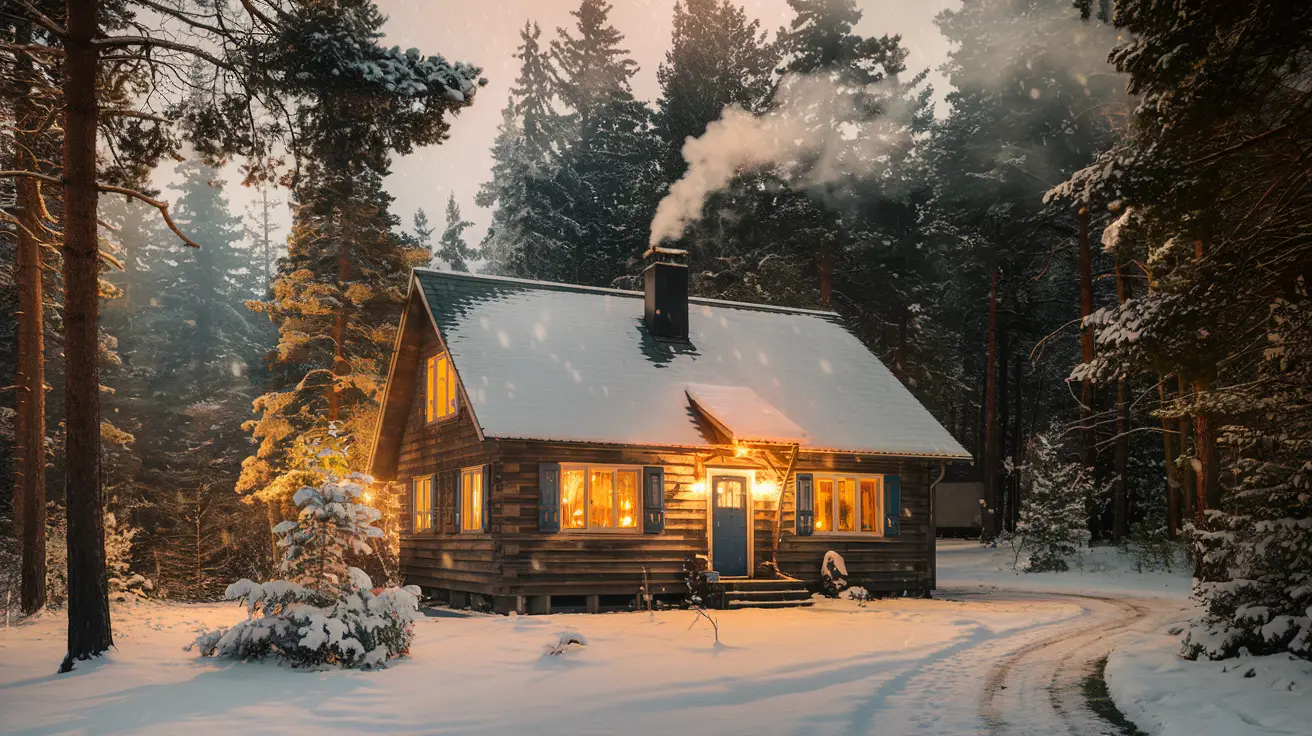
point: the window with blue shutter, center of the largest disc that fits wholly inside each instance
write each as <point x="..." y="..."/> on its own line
<point x="892" y="505"/>
<point x="459" y="507"/>
<point x="653" y="499"/>
<point x="548" y="497"/>
<point x="487" y="497"/>
<point x="804" y="493"/>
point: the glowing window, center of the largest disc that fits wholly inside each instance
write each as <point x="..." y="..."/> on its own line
<point x="824" y="504"/>
<point x="471" y="500"/>
<point x="600" y="498"/>
<point x="439" y="388"/>
<point x="849" y="504"/>
<point x="421" y="504"/>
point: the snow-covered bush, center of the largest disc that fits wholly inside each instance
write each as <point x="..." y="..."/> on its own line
<point x="124" y="585"/>
<point x="833" y="574"/>
<point x="1053" y="523"/>
<point x="326" y="612"/>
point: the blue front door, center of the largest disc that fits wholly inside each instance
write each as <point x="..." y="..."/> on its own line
<point x="729" y="515"/>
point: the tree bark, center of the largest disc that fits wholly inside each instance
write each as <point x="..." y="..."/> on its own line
<point x="990" y="418"/>
<point x="1003" y="419"/>
<point x="1168" y="457"/>
<point x="1121" y="490"/>
<point x="340" y="365"/>
<point x="89" y="632"/>
<point x="1185" y="473"/>
<point x="30" y="378"/>
<point x="1087" y="395"/>
<point x="826" y="274"/>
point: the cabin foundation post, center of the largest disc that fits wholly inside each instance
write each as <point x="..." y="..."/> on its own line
<point x="594" y="603"/>
<point x="540" y="605"/>
<point x="521" y="604"/>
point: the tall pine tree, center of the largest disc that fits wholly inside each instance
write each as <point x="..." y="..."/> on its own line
<point x="451" y="247"/>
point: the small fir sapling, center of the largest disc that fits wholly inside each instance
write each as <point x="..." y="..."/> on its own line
<point x="124" y="585"/>
<point x="700" y="591"/>
<point x="1053" y="524"/>
<point x="833" y="574"/>
<point x="326" y="613"/>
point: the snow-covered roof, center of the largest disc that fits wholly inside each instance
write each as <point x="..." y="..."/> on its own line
<point x="570" y="363"/>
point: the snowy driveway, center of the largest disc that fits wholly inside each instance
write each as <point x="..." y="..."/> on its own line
<point x="892" y="667"/>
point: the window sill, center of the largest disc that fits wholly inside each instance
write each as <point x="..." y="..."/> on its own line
<point x="854" y="536"/>
<point x="601" y="533"/>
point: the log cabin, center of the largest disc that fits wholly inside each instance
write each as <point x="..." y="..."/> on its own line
<point x="561" y="447"/>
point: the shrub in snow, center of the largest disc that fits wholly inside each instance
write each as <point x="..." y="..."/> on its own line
<point x="833" y="574"/>
<point x="326" y="612"/>
<point x="858" y="594"/>
<point x="1053" y="523"/>
<point x="124" y="585"/>
<point x="567" y="641"/>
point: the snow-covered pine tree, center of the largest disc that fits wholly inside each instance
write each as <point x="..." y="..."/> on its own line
<point x="601" y="191"/>
<point x="324" y="612"/>
<point x="1053" y="525"/>
<point x="1205" y="200"/>
<point x="528" y="143"/>
<point x="451" y="247"/>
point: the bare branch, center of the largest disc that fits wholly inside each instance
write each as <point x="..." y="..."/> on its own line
<point x="42" y="19"/>
<point x="134" y="114"/>
<point x="185" y="17"/>
<point x="163" y="207"/>
<point x="32" y="48"/>
<point x="114" y="42"/>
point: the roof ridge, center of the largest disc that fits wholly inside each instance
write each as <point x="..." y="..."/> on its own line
<point x="581" y="289"/>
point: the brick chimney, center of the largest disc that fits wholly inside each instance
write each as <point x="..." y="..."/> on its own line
<point x="666" y="287"/>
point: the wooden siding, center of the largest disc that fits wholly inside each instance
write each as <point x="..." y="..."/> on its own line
<point x="444" y="558"/>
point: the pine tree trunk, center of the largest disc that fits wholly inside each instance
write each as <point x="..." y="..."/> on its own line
<point x="340" y="366"/>
<point x="1186" y="472"/>
<point x="88" y="589"/>
<point x="1206" y="481"/>
<point x="1003" y="421"/>
<point x="1168" y="458"/>
<point x="826" y="274"/>
<point x="29" y="381"/>
<point x="1087" y="394"/>
<point x="990" y="418"/>
<point x="1121" y="490"/>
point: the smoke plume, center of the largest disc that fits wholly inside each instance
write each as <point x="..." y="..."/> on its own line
<point x="820" y="132"/>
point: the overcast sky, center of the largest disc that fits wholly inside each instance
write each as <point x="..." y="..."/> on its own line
<point x="486" y="33"/>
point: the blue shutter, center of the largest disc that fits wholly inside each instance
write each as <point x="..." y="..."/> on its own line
<point x="892" y="505"/>
<point x="487" y="497"/>
<point x="653" y="499"/>
<point x="548" y="497"/>
<point x="804" y="491"/>
<point x="432" y="503"/>
<point x="459" y="478"/>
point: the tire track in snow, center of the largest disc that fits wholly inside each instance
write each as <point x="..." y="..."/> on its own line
<point x="1038" y="689"/>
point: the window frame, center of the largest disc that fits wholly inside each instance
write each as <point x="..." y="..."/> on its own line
<point x="614" y="469"/>
<point x="834" y="478"/>
<point x="431" y="415"/>
<point x="466" y="497"/>
<point x="415" y="514"/>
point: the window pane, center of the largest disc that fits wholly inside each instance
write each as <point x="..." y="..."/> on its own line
<point x="602" y="497"/>
<point x="439" y="396"/>
<point x="629" y="485"/>
<point x="846" y="505"/>
<point x="450" y="395"/>
<point x="870" y="504"/>
<point x="824" y="505"/>
<point x="471" y="498"/>
<point x="572" y="513"/>
<point x="430" y="389"/>
<point x="423" y="505"/>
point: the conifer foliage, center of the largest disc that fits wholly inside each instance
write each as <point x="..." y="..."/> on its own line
<point x="325" y="612"/>
<point x="1053" y="524"/>
<point x="452" y="247"/>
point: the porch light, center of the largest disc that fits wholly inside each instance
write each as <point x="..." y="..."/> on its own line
<point x="698" y="488"/>
<point x="766" y="489"/>
<point x="739" y="451"/>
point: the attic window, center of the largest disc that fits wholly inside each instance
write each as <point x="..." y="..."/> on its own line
<point x="600" y="498"/>
<point x="439" y="388"/>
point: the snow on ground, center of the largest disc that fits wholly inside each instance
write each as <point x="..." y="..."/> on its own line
<point x="1101" y="570"/>
<point x="1164" y="694"/>
<point x="833" y="668"/>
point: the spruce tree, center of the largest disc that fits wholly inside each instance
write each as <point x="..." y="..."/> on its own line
<point x="452" y="247"/>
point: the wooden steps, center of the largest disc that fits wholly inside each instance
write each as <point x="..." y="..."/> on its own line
<point x="749" y="593"/>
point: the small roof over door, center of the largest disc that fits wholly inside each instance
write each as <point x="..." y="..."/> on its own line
<point x="741" y="414"/>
